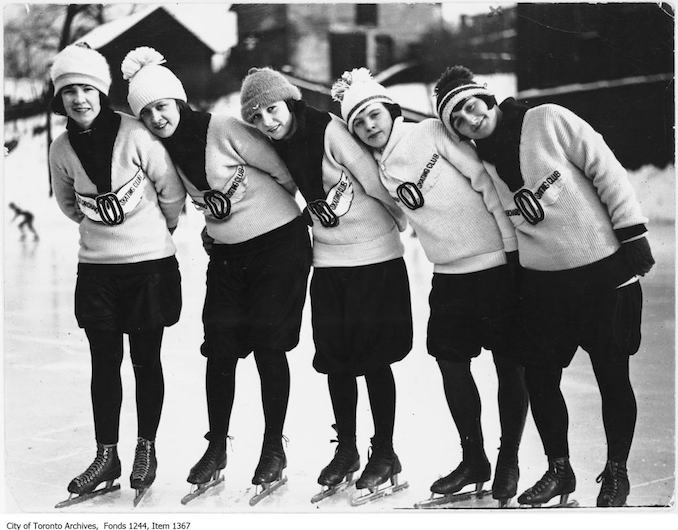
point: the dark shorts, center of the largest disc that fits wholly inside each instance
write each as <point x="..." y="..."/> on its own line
<point x="472" y="311"/>
<point x="561" y="312"/>
<point x="362" y="317"/>
<point x="128" y="297"/>
<point x="256" y="292"/>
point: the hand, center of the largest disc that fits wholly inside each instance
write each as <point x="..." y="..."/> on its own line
<point x="638" y="255"/>
<point x="207" y="241"/>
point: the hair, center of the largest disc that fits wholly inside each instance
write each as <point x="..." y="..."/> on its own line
<point x="57" y="103"/>
<point x="393" y="109"/>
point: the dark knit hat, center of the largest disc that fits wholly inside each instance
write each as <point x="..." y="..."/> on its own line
<point x="262" y="87"/>
<point x="455" y="86"/>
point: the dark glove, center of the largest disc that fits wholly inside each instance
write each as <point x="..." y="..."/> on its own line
<point x="306" y="215"/>
<point x="638" y="255"/>
<point x="513" y="264"/>
<point x="207" y="241"/>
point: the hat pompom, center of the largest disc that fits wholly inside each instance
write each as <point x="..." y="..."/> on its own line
<point x="137" y="59"/>
<point x="347" y="79"/>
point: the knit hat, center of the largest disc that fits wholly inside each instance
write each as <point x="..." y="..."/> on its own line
<point x="455" y="86"/>
<point x="261" y="87"/>
<point x="78" y="64"/>
<point x="355" y="90"/>
<point x="148" y="80"/>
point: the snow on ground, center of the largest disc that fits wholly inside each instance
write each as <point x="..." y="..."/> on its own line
<point x="47" y="416"/>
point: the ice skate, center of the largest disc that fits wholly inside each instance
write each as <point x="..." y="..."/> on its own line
<point x="268" y="476"/>
<point x="615" y="486"/>
<point x="105" y="468"/>
<point x="382" y="466"/>
<point x="558" y="480"/>
<point x="338" y="474"/>
<point x="206" y="473"/>
<point x="143" y="469"/>
<point x="447" y="489"/>
<point x="505" y="483"/>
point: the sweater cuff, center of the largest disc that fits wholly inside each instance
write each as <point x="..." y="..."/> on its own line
<point x="630" y="232"/>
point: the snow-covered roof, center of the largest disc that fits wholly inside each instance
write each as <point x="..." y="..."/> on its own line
<point x="217" y="28"/>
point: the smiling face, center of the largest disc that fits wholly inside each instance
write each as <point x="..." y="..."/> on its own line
<point x="161" y="117"/>
<point x="474" y="119"/>
<point x="82" y="103"/>
<point x="373" y="125"/>
<point x="275" y="120"/>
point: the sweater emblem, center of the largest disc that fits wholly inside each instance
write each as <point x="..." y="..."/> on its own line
<point x="218" y="202"/>
<point x="409" y="193"/>
<point x="111" y="208"/>
<point x="529" y="202"/>
<point x="336" y="204"/>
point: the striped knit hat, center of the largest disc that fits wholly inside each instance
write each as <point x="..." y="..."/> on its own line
<point x="355" y="90"/>
<point x="149" y="81"/>
<point x="262" y="87"/>
<point x="454" y="87"/>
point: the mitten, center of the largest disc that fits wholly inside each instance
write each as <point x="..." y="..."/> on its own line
<point x="638" y="255"/>
<point x="207" y="241"/>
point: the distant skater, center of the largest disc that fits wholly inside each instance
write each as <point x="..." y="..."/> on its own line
<point x="26" y="222"/>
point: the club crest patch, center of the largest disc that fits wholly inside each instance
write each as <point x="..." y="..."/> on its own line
<point x="340" y="197"/>
<point x="218" y="203"/>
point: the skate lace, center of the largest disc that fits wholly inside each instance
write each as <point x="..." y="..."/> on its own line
<point x="94" y="468"/>
<point x="611" y="482"/>
<point x="543" y="482"/>
<point x="142" y="459"/>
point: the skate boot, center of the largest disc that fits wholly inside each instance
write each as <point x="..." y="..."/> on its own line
<point x="505" y="483"/>
<point x="206" y="473"/>
<point x="473" y="470"/>
<point x="338" y="474"/>
<point x="382" y="465"/>
<point x="268" y="476"/>
<point x="559" y="479"/>
<point x="105" y="468"/>
<point x="143" y="469"/>
<point x="615" y="485"/>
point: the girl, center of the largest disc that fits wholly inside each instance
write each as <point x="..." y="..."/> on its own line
<point x="259" y="260"/>
<point x="581" y="241"/>
<point x="356" y="249"/>
<point x="116" y="181"/>
<point x="443" y="189"/>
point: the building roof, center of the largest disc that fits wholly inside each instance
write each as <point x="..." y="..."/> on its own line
<point x="217" y="30"/>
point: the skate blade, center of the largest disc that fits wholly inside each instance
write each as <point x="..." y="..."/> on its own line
<point x="359" y="500"/>
<point x="139" y="495"/>
<point x="108" y="488"/>
<point x="562" y="503"/>
<point x="332" y="490"/>
<point x="437" y="499"/>
<point x="199" y="489"/>
<point x="267" y="489"/>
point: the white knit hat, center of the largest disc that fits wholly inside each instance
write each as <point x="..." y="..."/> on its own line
<point x="148" y="80"/>
<point x="78" y="64"/>
<point x="355" y="90"/>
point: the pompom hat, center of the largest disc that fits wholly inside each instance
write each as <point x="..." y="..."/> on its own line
<point x="78" y="64"/>
<point x="355" y="90"/>
<point x="262" y="87"/>
<point x="149" y="81"/>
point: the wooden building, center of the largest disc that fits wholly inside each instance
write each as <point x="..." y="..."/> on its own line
<point x="188" y="53"/>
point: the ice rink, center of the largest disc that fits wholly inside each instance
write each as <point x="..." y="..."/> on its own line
<point x="48" y="431"/>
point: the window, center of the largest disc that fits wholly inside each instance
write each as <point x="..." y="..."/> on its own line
<point x="366" y="14"/>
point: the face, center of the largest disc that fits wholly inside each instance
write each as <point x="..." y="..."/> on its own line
<point x="81" y="103"/>
<point x="275" y="121"/>
<point x="373" y="125"/>
<point x="474" y="120"/>
<point x="161" y="117"/>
